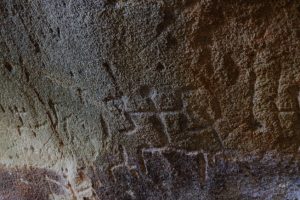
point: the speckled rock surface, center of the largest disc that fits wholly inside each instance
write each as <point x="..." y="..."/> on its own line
<point x="149" y="99"/>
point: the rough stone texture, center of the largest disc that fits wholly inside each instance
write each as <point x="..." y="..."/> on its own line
<point x="150" y="99"/>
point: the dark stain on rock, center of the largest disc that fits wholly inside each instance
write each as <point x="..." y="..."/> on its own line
<point x="35" y="44"/>
<point x="8" y="66"/>
<point x="58" y="32"/>
<point x="145" y="91"/>
<point x="2" y="108"/>
<point x="231" y="70"/>
<point x="29" y="184"/>
<point x="171" y="41"/>
<point x="167" y="19"/>
<point x="159" y="66"/>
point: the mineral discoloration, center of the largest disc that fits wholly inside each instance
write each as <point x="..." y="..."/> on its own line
<point x="184" y="99"/>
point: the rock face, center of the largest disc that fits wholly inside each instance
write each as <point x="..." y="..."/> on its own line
<point x="150" y="99"/>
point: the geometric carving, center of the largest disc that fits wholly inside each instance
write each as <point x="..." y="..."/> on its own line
<point x="149" y="115"/>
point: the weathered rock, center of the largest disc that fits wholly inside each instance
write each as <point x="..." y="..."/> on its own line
<point x="168" y="99"/>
